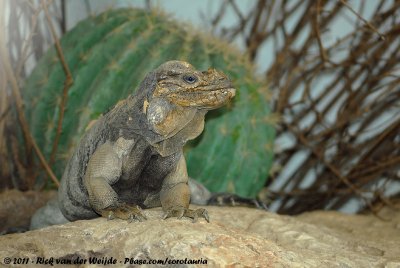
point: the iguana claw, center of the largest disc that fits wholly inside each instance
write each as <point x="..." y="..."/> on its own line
<point x="124" y="212"/>
<point x="180" y="212"/>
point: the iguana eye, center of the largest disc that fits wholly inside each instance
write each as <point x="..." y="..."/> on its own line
<point x="188" y="78"/>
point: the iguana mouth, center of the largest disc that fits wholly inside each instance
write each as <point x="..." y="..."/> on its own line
<point x="203" y="99"/>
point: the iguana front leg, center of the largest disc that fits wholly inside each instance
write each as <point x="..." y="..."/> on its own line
<point x="104" y="169"/>
<point x="175" y="195"/>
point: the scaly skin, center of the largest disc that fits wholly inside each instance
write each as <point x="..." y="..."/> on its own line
<point x="132" y="156"/>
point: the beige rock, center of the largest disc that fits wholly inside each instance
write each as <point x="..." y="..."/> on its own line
<point x="235" y="237"/>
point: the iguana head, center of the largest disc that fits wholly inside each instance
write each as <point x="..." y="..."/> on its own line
<point x="181" y="84"/>
<point x="174" y="99"/>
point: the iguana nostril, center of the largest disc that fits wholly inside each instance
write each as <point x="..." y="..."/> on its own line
<point x="232" y="92"/>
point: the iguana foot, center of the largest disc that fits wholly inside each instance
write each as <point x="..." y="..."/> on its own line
<point x="180" y="212"/>
<point x="124" y="212"/>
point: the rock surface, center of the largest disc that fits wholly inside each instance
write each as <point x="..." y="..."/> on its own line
<point x="235" y="237"/>
<point x="17" y="208"/>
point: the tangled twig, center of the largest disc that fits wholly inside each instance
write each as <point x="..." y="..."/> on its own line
<point x="339" y="99"/>
<point x="67" y="83"/>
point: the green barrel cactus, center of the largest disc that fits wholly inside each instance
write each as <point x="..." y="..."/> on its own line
<point x="110" y="54"/>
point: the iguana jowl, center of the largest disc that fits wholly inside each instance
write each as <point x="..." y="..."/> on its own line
<point x="132" y="156"/>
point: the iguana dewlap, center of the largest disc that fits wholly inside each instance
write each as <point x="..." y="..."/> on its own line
<point x="133" y="155"/>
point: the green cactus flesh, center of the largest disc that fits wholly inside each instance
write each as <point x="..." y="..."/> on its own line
<point x="110" y="54"/>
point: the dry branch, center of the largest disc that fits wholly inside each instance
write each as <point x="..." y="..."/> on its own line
<point x="29" y="141"/>
<point x="13" y="63"/>
<point x="67" y="83"/>
<point x="334" y="96"/>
